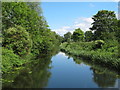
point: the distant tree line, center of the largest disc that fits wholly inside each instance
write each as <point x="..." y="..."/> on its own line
<point x="104" y="27"/>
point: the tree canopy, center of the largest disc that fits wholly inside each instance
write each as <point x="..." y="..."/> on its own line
<point x="78" y="35"/>
<point x="88" y="36"/>
<point x="29" y="16"/>
<point x="104" y="24"/>
<point x="67" y="37"/>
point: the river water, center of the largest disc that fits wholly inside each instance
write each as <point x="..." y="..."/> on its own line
<point x="62" y="71"/>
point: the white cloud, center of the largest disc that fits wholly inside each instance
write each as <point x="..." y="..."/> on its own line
<point x="61" y="53"/>
<point x="83" y="22"/>
<point x="63" y="30"/>
<point x="117" y="15"/>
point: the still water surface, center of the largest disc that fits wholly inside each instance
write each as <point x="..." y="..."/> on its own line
<point x="61" y="71"/>
<point x="67" y="73"/>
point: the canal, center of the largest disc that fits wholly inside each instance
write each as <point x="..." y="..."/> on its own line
<point x="61" y="71"/>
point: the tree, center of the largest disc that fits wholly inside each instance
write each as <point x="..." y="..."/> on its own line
<point x="78" y="35"/>
<point x="118" y="38"/>
<point x="29" y="16"/>
<point x="58" y="37"/>
<point x="104" y="24"/>
<point x="88" y="36"/>
<point x="67" y="37"/>
<point x="17" y="39"/>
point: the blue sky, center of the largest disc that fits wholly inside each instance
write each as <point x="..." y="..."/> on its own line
<point x="66" y="16"/>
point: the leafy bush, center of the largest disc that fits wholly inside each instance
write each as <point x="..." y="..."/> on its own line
<point x="98" y="44"/>
<point x="9" y="60"/>
<point x="17" y="39"/>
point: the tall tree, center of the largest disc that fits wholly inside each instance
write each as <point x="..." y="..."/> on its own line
<point x="104" y="24"/>
<point x="88" y="36"/>
<point x="30" y="17"/>
<point x="118" y="37"/>
<point x="78" y="35"/>
<point x="67" y="37"/>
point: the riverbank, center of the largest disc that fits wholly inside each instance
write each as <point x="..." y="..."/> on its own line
<point x="99" y="56"/>
<point x="14" y="66"/>
<point x="11" y="61"/>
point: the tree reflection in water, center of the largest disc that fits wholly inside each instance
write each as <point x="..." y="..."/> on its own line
<point x="37" y="74"/>
<point x="34" y="75"/>
<point x="103" y="77"/>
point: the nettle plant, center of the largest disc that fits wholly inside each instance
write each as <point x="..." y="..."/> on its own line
<point x="17" y="39"/>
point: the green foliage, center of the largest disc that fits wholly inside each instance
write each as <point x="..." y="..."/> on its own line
<point x="105" y="22"/>
<point x="59" y="38"/>
<point x="104" y="56"/>
<point x="10" y="60"/>
<point x="15" y="13"/>
<point x="25" y="30"/>
<point x="67" y="37"/>
<point x="17" y="39"/>
<point x="98" y="44"/>
<point x="27" y="76"/>
<point x="88" y="36"/>
<point x="29" y="16"/>
<point x="118" y="38"/>
<point x="78" y="35"/>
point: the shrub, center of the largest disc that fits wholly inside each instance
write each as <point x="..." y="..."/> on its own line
<point x="9" y="60"/>
<point x="17" y="39"/>
<point x="98" y="44"/>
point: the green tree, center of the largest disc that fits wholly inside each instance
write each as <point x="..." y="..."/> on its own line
<point x="60" y="38"/>
<point x="104" y="24"/>
<point x="67" y="37"/>
<point x="35" y="6"/>
<point x="29" y="16"/>
<point x="78" y="35"/>
<point x="118" y="38"/>
<point x="88" y="36"/>
<point x="17" y="39"/>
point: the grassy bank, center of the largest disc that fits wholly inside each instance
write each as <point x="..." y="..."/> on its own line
<point x="104" y="56"/>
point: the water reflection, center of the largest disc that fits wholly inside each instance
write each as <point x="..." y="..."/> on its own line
<point x="34" y="75"/>
<point x="37" y="77"/>
<point x="66" y="72"/>
<point x="103" y="77"/>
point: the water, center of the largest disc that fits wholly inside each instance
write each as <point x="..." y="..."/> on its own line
<point x="66" y="73"/>
<point x="62" y="71"/>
